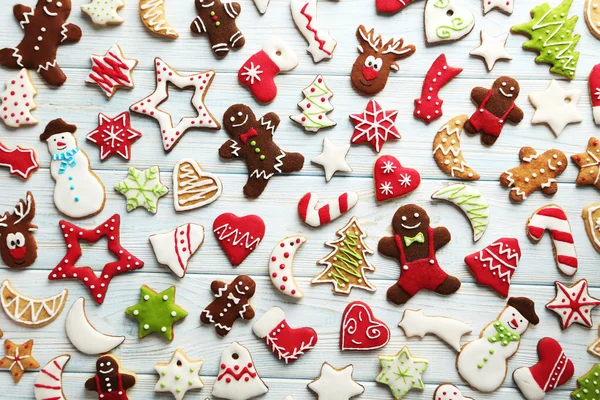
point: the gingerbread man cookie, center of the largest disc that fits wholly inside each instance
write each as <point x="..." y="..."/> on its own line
<point x="537" y="171"/>
<point x="110" y="382"/>
<point x="45" y="28"/>
<point x="217" y="20"/>
<point x="495" y="106"/>
<point x="252" y="140"/>
<point x="232" y="301"/>
<point x="414" y="245"/>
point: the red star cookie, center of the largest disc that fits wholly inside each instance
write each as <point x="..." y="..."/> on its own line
<point x="589" y="164"/>
<point x="375" y="126"/>
<point x="114" y="136"/>
<point x="18" y="359"/>
<point x="97" y="286"/>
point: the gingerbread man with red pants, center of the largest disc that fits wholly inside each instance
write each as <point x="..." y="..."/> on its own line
<point x="495" y="107"/>
<point x="45" y="29"/>
<point x="414" y="245"/>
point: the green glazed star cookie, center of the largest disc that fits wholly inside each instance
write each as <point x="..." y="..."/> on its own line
<point x="402" y="372"/>
<point x="156" y="312"/>
<point x="142" y="188"/>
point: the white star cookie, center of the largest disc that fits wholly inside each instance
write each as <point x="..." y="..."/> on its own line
<point x="336" y="384"/>
<point x="104" y="12"/>
<point x="333" y="159"/>
<point x="492" y="49"/>
<point x="179" y="375"/>
<point x="556" y="107"/>
<point x="505" y="6"/>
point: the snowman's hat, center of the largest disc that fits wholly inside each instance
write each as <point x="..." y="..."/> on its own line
<point x="55" y="127"/>
<point x="526" y="307"/>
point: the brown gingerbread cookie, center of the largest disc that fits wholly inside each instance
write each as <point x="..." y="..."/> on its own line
<point x="537" y="171"/>
<point x="252" y="140"/>
<point x="232" y="301"/>
<point x="414" y="245"/>
<point x="109" y="382"/>
<point x="18" y="247"/>
<point x="217" y="20"/>
<point x="372" y="67"/>
<point x="589" y="164"/>
<point x="495" y="106"/>
<point x="45" y="28"/>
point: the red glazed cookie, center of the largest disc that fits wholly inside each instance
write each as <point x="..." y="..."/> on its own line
<point x="392" y="180"/>
<point x="361" y="330"/>
<point x="374" y="126"/>
<point x="238" y="236"/>
<point x="114" y="136"/>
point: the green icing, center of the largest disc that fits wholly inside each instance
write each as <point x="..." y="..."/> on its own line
<point x="551" y="33"/>
<point x="142" y="188"/>
<point x="476" y="207"/>
<point x="589" y="385"/>
<point x="156" y="312"/>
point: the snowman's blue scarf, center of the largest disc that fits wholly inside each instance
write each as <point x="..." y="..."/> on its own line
<point x="66" y="158"/>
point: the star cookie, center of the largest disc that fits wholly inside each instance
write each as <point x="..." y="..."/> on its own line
<point x="111" y="71"/>
<point x="18" y="359"/>
<point x="402" y="372"/>
<point x="333" y="159"/>
<point x="556" y="107"/>
<point x="156" y="312"/>
<point x="114" y="136"/>
<point x="142" y="189"/>
<point x="149" y="106"/>
<point x="492" y="49"/>
<point x="336" y="384"/>
<point x="375" y="126"/>
<point x="573" y="304"/>
<point x="179" y="375"/>
<point x="505" y="6"/>
<point x="104" y="12"/>
<point x="589" y="164"/>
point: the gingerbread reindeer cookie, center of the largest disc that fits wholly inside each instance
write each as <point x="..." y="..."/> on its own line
<point x="232" y="301"/>
<point x="18" y="247"/>
<point x="45" y="28"/>
<point x="537" y="171"/>
<point x="252" y="140"/>
<point x="217" y="20"/>
<point x="495" y="106"/>
<point x="414" y="245"/>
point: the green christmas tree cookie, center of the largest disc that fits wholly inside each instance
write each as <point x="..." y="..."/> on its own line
<point x="589" y="385"/>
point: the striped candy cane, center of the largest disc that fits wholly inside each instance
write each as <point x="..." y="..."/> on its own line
<point x="554" y="219"/>
<point x="315" y="217"/>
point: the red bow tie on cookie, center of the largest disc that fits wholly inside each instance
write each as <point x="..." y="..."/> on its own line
<point x="250" y="134"/>
<point x="361" y="330"/>
<point x="392" y="179"/>
<point x="238" y="236"/>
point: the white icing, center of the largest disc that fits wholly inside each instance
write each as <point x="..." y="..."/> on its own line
<point x="82" y="334"/>
<point x="314" y="212"/>
<point x="245" y="386"/>
<point x="445" y="21"/>
<point x="104" y="12"/>
<point x="527" y="384"/>
<point x="447" y="391"/>
<point x="48" y="383"/>
<point x="28" y="311"/>
<point x="111" y="71"/>
<point x="175" y="248"/>
<point x="332" y="159"/>
<point x="17" y="101"/>
<point x="194" y="187"/>
<point x="153" y="14"/>
<point x="556" y="107"/>
<point x="336" y="384"/>
<point x="178" y="375"/>
<point x="415" y="323"/>
<point x="262" y="5"/>
<point x="78" y="192"/>
<point x="506" y="6"/>
<point x="320" y="43"/>
<point x="281" y="54"/>
<point x="283" y="278"/>
<point x="492" y="48"/>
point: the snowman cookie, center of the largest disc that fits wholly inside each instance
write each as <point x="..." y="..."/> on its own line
<point x="78" y="192"/>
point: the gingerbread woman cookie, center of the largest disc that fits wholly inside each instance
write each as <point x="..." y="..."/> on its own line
<point x="252" y="140"/>
<point x="495" y="106"/>
<point x="232" y="301"/>
<point x="414" y="244"/>
<point x="217" y="20"/>
<point x="45" y="28"/>
<point x="537" y="171"/>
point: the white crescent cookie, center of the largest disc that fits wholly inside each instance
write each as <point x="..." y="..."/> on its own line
<point x="281" y="268"/>
<point x="84" y="336"/>
<point x="28" y="311"/>
<point x="48" y="383"/>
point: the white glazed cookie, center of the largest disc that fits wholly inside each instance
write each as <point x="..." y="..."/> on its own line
<point x="505" y="6"/>
<point x="415" y="323"/>
<point x="492" y="49"/>
<point x="336" y="384"/>
<point x="142" y="189"/>
<point x="238" y="378"/>
<point x="332" y="159"/>
<point x="104" y="12"/>
<point x="447" y="391"/>
<point x="178" y="375"/>
<point x="16" y="102"/>
<point x="552" y="109"/>
<point x="447" y="21"/>
<point x="411" y="367"/>
<point x="175" y="248"/>
<point x="49" y="381"/>
<point x="315" y="107"/>
<point x="281" y="270"/>
<point x="193" y="187"/>
<point x="320" y="43"/>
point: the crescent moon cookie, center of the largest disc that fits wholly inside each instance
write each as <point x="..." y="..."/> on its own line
<point x="28" y="311"/>
<point x="193" y="187"/>
<point x="48" y="383"/>
<point x="281" y="269"/>
<point x="447" y="152"/>
<point x="591" y="220"/>
<point x="471" y="202"/>
<point x="592" y="16"/>
<point x="82" y="334"/>
<point x="153" y="15"/>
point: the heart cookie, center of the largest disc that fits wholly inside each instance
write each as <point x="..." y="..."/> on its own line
<point x="361" y="330"/>
<point x="447" y="391"/>
<point x="447" y="21"/>
<point x="238" y="236"/>
<point x="392" y="179"/>
<point x="193" y="187"/>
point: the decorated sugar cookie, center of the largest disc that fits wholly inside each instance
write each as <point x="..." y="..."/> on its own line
<point x="154" y="17"/>
<point x="179" y="375"/>
<point x="193" y="187"/>
<point x="110" y="379"/>
<point x="316" y="216"/>
<point x="20" y="161"/>
<point x="591" y="220"/>
<point x="374" y="126"/>
<point x="142" y="188"/>
<point x="392" y="180"/>
<point x="320" y="43"/>
<point x="18" y="359"/>
<point x="175" y="247"/>
<point x="504" y="6"/>
<point x="361" y="330"/>
<point x="447" y="21"/>
<point x="104" y="12"/>
<point x="594" y="348"/>
<point x="416" y="323"/>
<point x="592" y="16"/>
<point x="17" y="101"/>
<point x="412" y="369"/>
<point x="217" y="20"/>
<point x="281" y="269"/>
<point x="18" y="247"/>
<point x="492" y="48"/>
<point x="587" y="385"/>
<point x="31" y="312"/>
<point x="114" y="136"/>
<point x="112" y="71"/>
<point x="447" y="391"/>
<point x="49" y="381"/>
<point x="553" y="109"/>
<point x="238" y="236"/>
<point x="315" y="106"/>
<point x="336" y="383"/>
<point x="447" y="151"/>
<point x="589" y="164"/>
<point x="238" y="378"/>
<point x="573" y="304"/>
<point x="332" y="159"/>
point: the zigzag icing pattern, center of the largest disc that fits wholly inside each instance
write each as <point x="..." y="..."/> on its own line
<point x="238" y="237"/>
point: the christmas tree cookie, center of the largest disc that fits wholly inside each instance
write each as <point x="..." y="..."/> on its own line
<point x="588" y="385"/>
<point x="315" y="106"/>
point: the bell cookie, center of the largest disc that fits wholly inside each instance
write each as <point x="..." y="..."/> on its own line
<point x="217" y="20"/>
<point x="18" y="247"/>
<point x="238" y="378"/>
<point x="176" y="247"/>
<point x="447" y="151"/>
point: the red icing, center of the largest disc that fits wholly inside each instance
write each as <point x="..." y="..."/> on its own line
<point x="594" y="86"/>
<point x="97" y="285"/>
<point x="262" y="86"/>
<point x="374" y="126"/>
<point x="20" y="161"/>
<point x="109" y="69"/>
<point x="309" y="19"/>
<point x="361" y="330"/>
<point x="238" y="236"/>
<point x="391" y="6"/>
<point x="114" y="136"/>
<point x="392" y="179"/>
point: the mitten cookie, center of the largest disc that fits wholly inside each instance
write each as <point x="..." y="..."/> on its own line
<point x="495" y="106"/>
<point x="45" y="28"/>
<point x="252" y="140"/>
<point x="414" y="245"/>
<point x="217" y="20"/>
<point x="537" y="171"/>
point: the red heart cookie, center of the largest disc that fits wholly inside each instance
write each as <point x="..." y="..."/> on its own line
<point x="361" y="330"/>
<point x="392" y="179"/>
<point x="238" y="236"/>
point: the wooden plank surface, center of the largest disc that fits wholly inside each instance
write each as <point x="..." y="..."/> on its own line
<point x="473" y="304"/>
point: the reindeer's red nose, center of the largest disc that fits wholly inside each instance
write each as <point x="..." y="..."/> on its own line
<point x="369" y="73"/>
<point x="18" y="253"/>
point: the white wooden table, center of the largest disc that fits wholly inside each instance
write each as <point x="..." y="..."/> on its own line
<point x="321" y="309"/>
